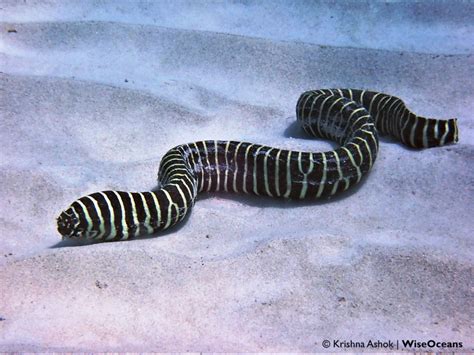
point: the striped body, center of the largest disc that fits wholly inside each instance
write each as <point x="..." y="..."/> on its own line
<point x="352" y="118"/>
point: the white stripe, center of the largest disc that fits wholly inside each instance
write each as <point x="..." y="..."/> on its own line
<point x="208" y="167"/>
<point x="76" y="216"/>
<point x="371" y="103"/>
<point x="368" y="150"/>
<point x="277" y="173"/>
<point x="191" y="192"/>
<point x="124" y="222"/>
<point x="217" y="167"/>
<point x="304" y="188"/>
<point x="265" y="172"/>
<point x="171" y="204"/>
<point x="179" y="179"/>
<point x="168" y="165"/>
<point x="396" y="119"/>
<point x="381" y="113"/>
<point x="360" y="153"/>
<point x="436" y="131"/>
<point x="362" y="98"/>
<point x="335" y="186"/>
<point x="373" y="139"/>
<point x="388" y="120"/>
<point x="244" y="183"/>
<point x="101" y="218"/>
<point x="147" y="225"/>
<point x="323" y="176"/>
<point x="412" y="133"/>
<point x="456" y="131"/>
<point x="134" y="215"/>
<point x="351" y="158"/>
<point x="88" y="219"/>
<point x="185" y="203"/>
<point x="226" y="174"/>
<point x="157" y="207"/>
<point x="425" y="134"/>
<point x="358" y="119"/>
<point x="443" y="138"/>
<point x="288" y="175"/>
<point x="350" y="117"/>
<point x="402" y="130"/>
<point x="255" y="190"/>
<point x="113" y="230"/>
<point x="234" y="185"/>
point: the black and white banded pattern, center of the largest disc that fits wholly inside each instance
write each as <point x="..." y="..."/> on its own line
<point x="352" y="118"/>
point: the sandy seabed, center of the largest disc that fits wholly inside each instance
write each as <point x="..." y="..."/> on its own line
<point x="90" y="103"/>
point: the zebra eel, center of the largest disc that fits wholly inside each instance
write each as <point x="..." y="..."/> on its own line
<point x="352" y="118"/>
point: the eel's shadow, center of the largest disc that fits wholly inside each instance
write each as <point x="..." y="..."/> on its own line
<point x="294" y="130"/>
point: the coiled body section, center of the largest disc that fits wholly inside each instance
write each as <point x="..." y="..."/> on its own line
<point x="352" y="118"/>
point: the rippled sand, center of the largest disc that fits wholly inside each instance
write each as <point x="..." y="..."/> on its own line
<point x="92" y="103"/>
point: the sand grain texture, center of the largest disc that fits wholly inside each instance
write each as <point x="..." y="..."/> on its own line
<point x="93" y="103"/>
